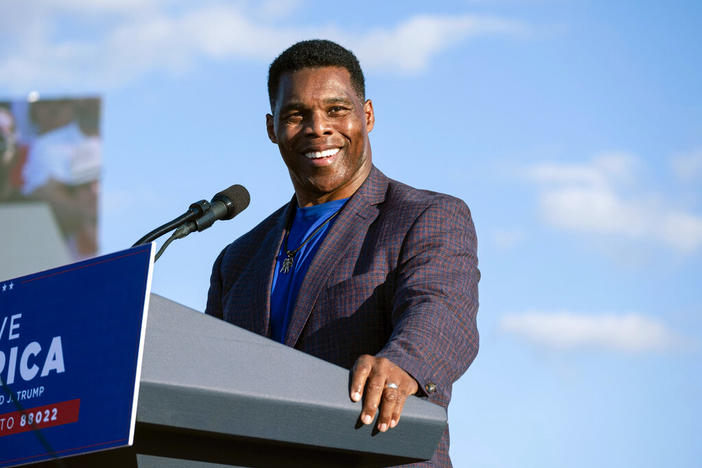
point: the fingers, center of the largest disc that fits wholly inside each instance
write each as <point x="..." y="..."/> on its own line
<point x="375" y="385"/>
<point x="389" y="401"/>
<point x="395" y="411"/>
<point x="361" y="369"/>
<point x="382" y="385"/>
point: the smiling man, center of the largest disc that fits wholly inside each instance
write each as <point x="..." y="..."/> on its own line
<point x="357" y="269"/>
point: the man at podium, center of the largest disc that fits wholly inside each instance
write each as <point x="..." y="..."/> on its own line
<point x="356" y="269"/>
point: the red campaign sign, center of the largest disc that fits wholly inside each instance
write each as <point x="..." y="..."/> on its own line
<point x="39" y="417"/>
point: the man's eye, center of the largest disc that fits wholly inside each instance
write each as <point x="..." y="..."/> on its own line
<point x="337" y="109"/>
<point x="293" y="116"/>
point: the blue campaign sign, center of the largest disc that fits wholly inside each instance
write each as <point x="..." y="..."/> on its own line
<point x="71" y="341"/>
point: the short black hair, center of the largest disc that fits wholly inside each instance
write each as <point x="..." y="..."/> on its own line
<point x="315" y="53"/>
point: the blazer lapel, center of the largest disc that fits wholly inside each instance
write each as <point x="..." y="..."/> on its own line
<point x="351" y="223"/>
<point x="262" y="277"/>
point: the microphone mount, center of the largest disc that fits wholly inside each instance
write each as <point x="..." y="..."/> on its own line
<point x="201" y="215"/>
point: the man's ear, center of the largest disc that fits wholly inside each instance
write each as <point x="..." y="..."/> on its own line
<point x="370" y="115"/>
<point x="270" y="128"/>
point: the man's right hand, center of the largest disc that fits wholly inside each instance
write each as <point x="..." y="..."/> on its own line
<point x="381" y="383"/>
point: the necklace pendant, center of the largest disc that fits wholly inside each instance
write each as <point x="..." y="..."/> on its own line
<point x="287" y="263"/>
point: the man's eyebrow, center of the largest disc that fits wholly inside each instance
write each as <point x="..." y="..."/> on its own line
<point x="292" y="105"/>
<point x="337" y="100"/>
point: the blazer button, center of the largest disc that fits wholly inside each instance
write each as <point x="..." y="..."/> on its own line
<point x="430" y="387"/>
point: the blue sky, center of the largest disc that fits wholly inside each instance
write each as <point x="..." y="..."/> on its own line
<point x="572" y="129"/>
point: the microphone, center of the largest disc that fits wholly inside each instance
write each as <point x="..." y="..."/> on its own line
<point x="224" y="205"/>
<point x="201" y="215"/>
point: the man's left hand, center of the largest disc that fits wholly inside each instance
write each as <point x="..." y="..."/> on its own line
<point x="382" y="384"/>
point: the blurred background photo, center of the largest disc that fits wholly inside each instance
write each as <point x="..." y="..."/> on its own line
<point x="50" y="168"/>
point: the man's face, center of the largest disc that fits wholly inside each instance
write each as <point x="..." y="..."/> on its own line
<point x="321" y="128"/>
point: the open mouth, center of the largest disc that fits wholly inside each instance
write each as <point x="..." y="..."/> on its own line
<point x="321" y="154"/>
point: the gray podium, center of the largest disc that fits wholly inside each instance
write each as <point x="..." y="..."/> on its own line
<point x="214" y="395"/>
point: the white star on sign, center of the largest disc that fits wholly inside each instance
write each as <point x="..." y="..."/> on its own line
<point x="4" y="287"/>
<point x="12" y="285"/>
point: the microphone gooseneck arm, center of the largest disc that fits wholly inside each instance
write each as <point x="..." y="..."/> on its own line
<point x="195" y="210"/>
<point x="201" y="215"/>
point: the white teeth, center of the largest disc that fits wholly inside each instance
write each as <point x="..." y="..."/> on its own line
<point x="321" y="154"/>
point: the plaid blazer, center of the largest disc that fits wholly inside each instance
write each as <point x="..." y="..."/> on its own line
<point x="396" y="276"/>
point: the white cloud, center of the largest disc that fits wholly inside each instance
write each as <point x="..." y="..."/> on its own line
<point x="505" y="239"/>
<point x="128" y="39"/>
<point x="411" y="44"/>
<point x="688" y="166"/>
<point x="278" y="8"/>
<point x="136" y="44"/>
<point x="630" y="333"/>
<point x="603" y="169"/>
<point x="588" y="198"/>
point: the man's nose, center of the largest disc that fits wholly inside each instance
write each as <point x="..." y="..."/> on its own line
<point x="318" y="124"/>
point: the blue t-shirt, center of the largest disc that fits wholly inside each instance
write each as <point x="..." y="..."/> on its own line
<point x="286" y="285"/>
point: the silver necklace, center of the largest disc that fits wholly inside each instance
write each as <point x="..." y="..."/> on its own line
<point x="290" y="254"/>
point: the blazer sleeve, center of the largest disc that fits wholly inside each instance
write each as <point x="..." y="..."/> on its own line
<point x="435" y="299"/>
<point x="214" y="295"/>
